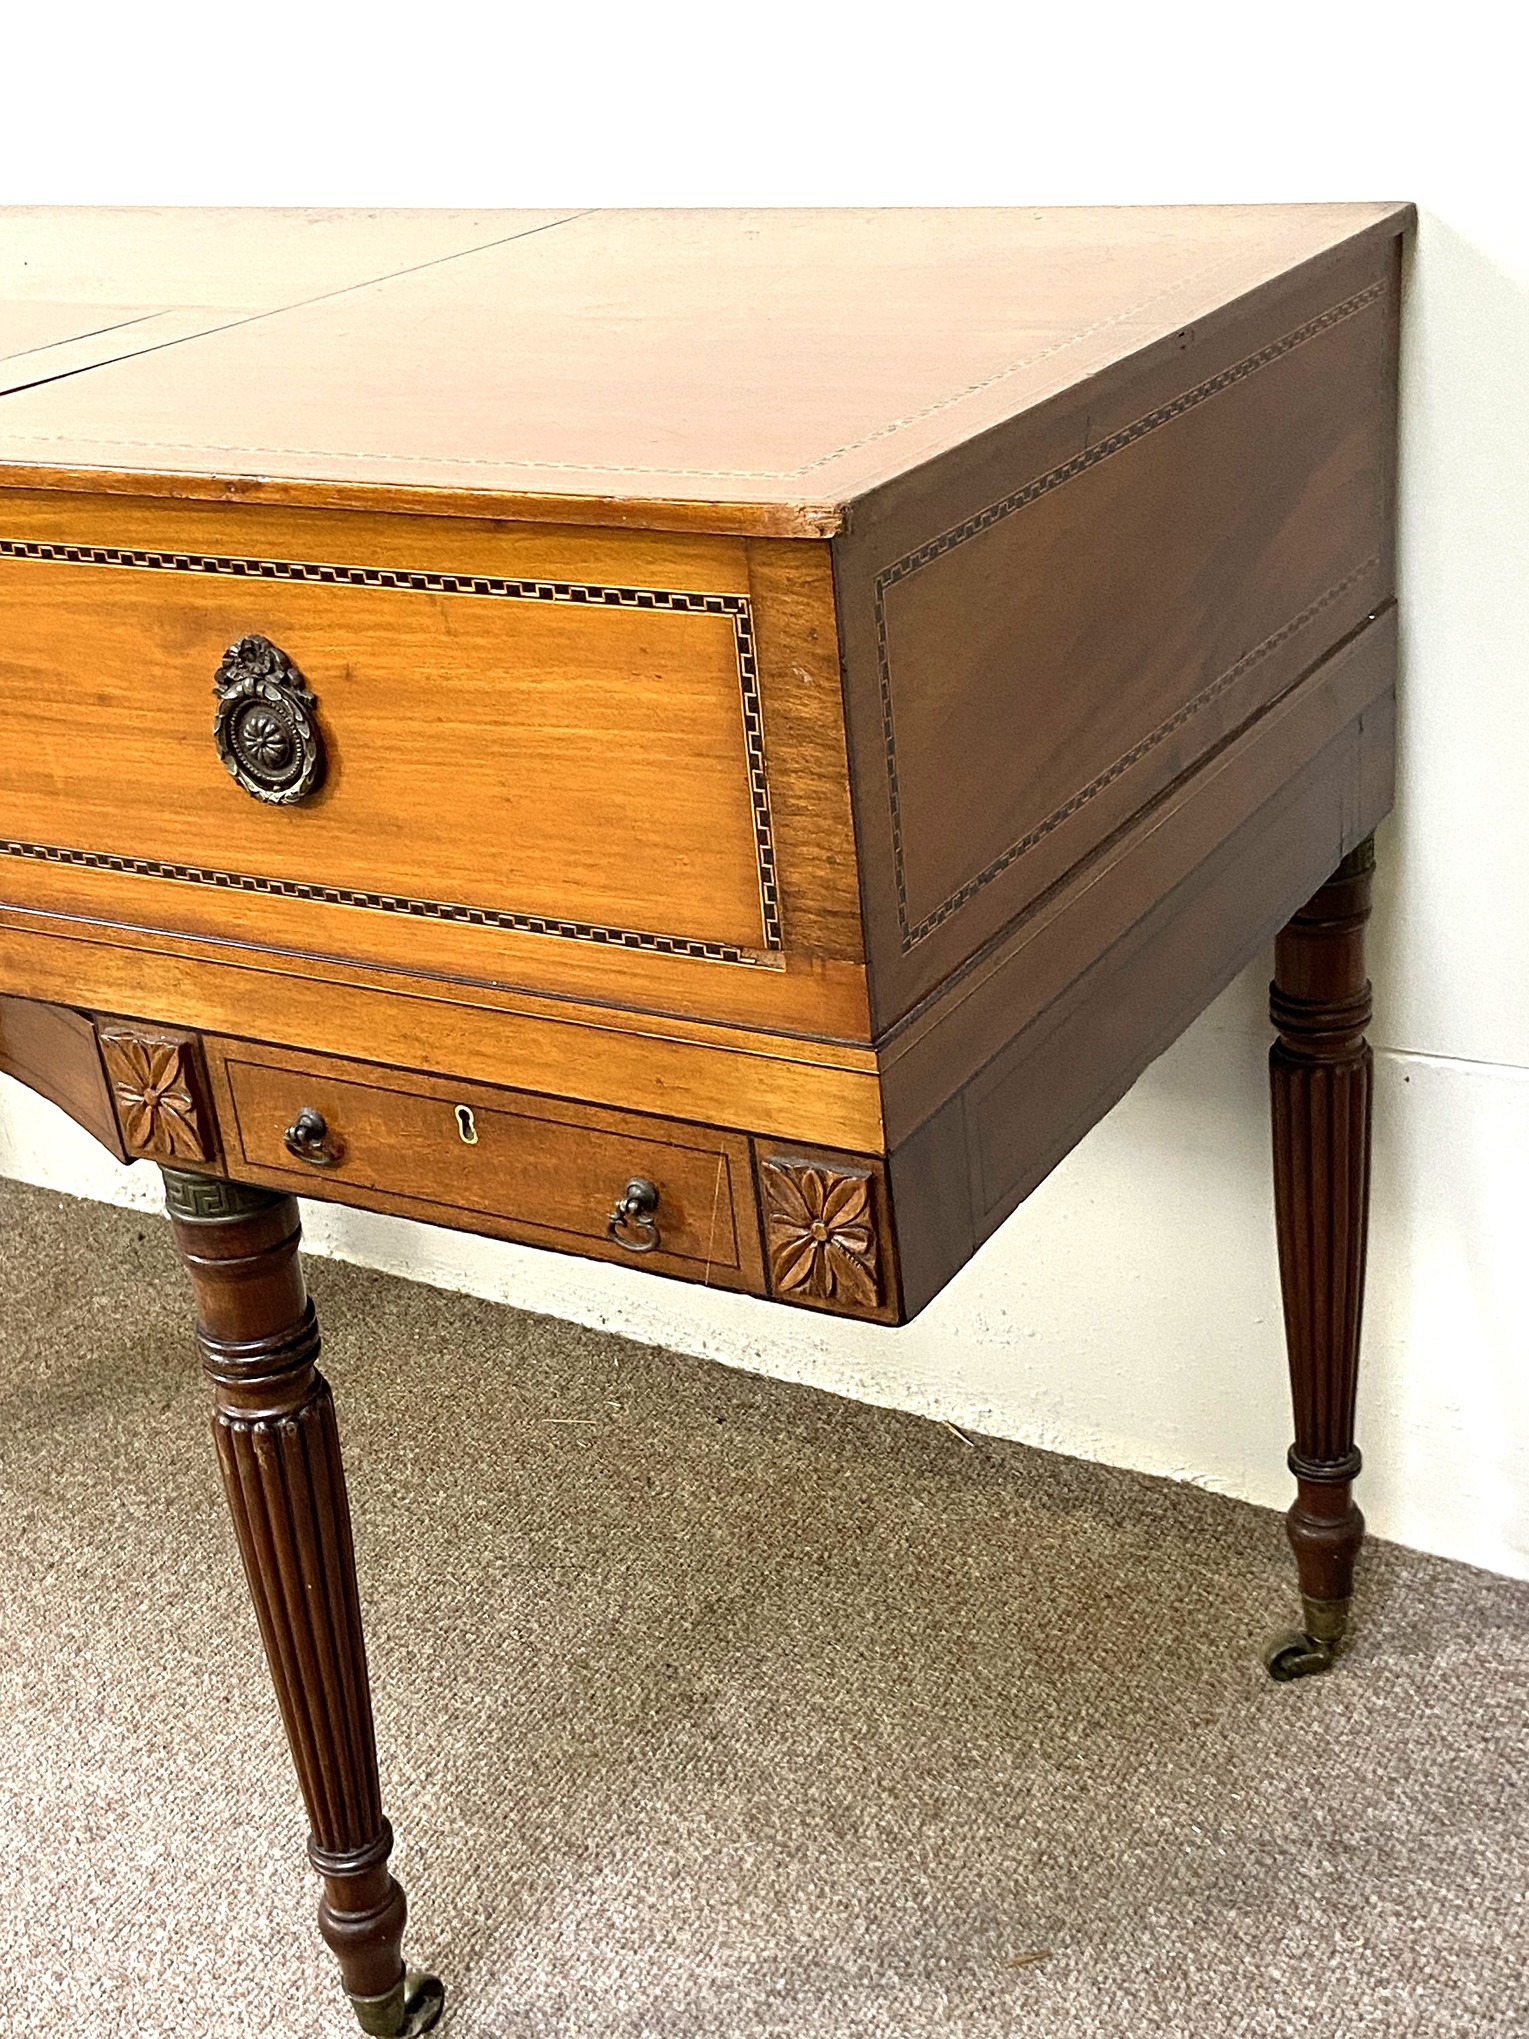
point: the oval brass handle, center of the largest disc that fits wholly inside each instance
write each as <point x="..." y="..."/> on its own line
<point x="264" y="727"/>
<point x="308" y="1138"/>
<point x="631" y="1222"/>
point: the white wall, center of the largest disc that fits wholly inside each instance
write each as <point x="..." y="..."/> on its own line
<point x="1129" y="1311"/>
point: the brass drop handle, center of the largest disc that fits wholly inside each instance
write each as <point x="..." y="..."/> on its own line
<point x="265" y="727"/>
<point x="631" y="1222"/>
<point x="308" y="1138"/>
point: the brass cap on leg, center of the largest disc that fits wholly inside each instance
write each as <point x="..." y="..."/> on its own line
<point x="411" y="2006"/>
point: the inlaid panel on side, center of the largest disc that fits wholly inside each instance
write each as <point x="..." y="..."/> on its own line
<point x="520" y="751"/>
<point x="577" y="762"/>
<point x="1039" y="646"/>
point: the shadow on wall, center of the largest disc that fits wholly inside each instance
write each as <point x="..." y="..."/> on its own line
<point x="1450" y="956"/>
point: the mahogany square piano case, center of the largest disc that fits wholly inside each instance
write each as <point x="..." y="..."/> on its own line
<point x="717" y="741"/>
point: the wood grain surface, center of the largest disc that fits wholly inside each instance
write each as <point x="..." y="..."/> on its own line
<point x="1011" y="983"/>
<point x="54" y="1052"/>
<point x="786" y="362"/>
<point x="583" y="762"/>
<point x="1066" y="622"/>
<point x="723" y="1076"/>
<point x="84" y="286"/>
<point x="544" y="1171"/>
<point x="539" y="751"/>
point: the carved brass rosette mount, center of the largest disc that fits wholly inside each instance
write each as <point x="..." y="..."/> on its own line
<point x="264" y="727"/>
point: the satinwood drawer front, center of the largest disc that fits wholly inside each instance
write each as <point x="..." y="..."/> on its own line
<point x="542" y="1170"/>
<point x="572" y="757"/>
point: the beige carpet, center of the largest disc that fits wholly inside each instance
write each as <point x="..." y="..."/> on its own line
<point x="713" y="1708"/>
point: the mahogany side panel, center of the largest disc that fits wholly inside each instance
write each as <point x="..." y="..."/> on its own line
<point x="1045" y="629"/>
<point x="53" y="1051"/>
<point x="964" y="1169"/>
<point x="1011" y="983"/>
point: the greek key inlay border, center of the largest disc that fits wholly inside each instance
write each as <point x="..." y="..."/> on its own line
<point x="737" y="608"/>
<point x="913" y="933"/>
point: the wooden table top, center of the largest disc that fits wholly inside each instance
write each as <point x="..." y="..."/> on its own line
<point x="754" y="371"/>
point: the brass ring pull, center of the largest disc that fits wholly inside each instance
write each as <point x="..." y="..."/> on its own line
<point x="264" y="728"/>
<point x="631" y="1222"/>
<point x="308" y="1138"/>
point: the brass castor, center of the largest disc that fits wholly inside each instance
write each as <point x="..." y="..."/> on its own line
<point x="1301" y="1653"/>
<point x="412" y="2005"/>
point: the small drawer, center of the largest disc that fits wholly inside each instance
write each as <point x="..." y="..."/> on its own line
<point x="540" y="1170"/>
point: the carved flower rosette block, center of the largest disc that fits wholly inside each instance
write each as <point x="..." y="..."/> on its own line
<point x="158" y="1098"/>
<point x="822" y="1235"/>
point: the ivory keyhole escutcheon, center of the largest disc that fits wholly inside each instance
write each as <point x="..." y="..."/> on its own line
<point x="466" y="1125"/>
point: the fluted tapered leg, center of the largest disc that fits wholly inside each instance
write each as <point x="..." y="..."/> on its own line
<point x="1320" y="1079"/>
<point x="280" y="1454"/>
